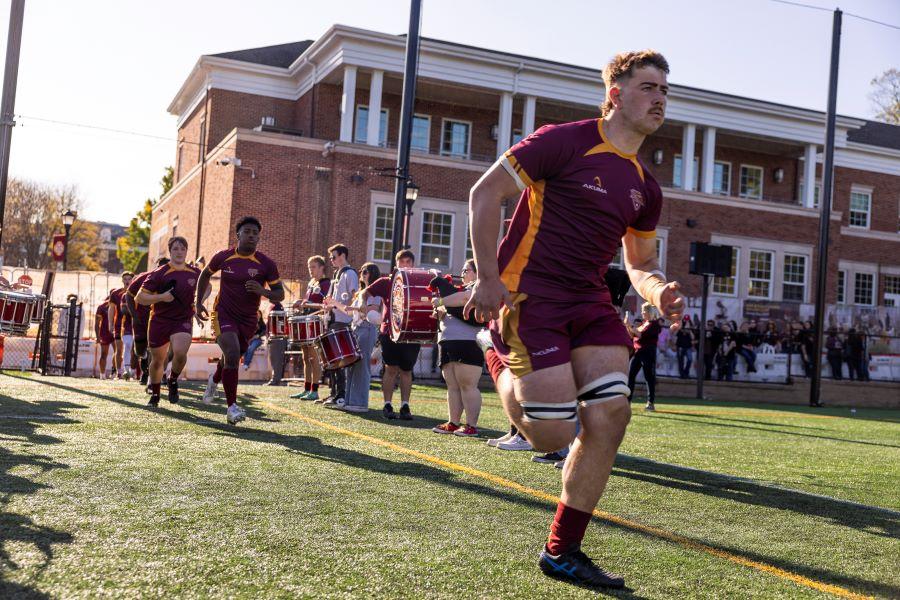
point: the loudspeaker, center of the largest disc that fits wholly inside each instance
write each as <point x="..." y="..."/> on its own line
<point x="618" y="283"/>
<point x="710" y="259"/>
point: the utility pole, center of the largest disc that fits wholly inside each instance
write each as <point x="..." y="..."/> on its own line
<point x="8" y="102"/>
<point x="825" y="216"/>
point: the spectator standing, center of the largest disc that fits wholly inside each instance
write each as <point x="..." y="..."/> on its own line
<point x="855" y="355"/>
<point x="684" y="344"/>
<point x="725" y="354"/>
<point x="710" y="347"/>
<point x="646" y="336"/>
<point x="834" y="347"/>
<point x="744" y="347"/>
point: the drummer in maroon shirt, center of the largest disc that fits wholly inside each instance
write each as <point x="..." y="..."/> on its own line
<point x="398" y="359"/>
<point x="169" y="291"/>
<point x="245" y="273"/>
<point x="316" y="292"/>
<point x="645" y="337"/>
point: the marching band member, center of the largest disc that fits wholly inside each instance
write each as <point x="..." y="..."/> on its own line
<point x="316" y="290"/>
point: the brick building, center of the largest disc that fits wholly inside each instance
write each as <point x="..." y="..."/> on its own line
<point x="296" y="118"/>
<point x="109" y="233"/>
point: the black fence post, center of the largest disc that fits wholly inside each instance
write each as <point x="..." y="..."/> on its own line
<point x="70" y="334"/>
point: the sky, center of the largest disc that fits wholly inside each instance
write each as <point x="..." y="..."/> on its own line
<point x="117" y="64"/>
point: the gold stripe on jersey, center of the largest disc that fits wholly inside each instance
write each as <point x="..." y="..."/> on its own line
<point x="518" y="359"/>
<point x="642" y="234"/>
<point x="517" y="167"/>
<point x="248" y="257"/>
<point x="607" y="146"/>
<point x="513" y="271"/>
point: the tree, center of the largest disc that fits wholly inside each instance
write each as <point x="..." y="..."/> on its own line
<point x="886" y="96"/>
<point x="34" y="215"/>
<point x="131" y="248"/>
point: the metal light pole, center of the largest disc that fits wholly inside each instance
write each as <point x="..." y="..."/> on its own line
<point x="412" y="192"/>
<point x="68" y="218"/>
<point x="8" y="103"/>
<point x="406" y="120"/>
<point x="825" y="216"/>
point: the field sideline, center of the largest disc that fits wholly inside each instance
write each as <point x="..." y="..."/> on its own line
<point x="100" y="496"/>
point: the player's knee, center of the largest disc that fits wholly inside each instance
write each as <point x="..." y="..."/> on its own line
<point x="611" y="417"/>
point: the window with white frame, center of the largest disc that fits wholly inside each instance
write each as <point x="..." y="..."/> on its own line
<point x="384" y="233"/>
<point x="760" y="274"/>
<point x="722" y="178"/>
<point x="517" y="136"/>
<point x="864" y="289"/>
<point x="751" y="182"/>
<point x="676" y="170"/>
<point x="793" y="287"/>
<point x="469" y="252"/>
<point x="456" y="138"/>
<point x="727" y="286"/>
<point x="361" y="133"/>
<point x="816" y="195"/>
<point x="841" y="287"/>
<point x="421" y="133"/>
<point x="175" y="226"/>
<point x="891" y="290"/>
<point x="860" y="208"/>
<point x="437" y="239"/>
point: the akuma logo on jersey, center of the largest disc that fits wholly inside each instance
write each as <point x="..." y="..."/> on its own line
<point x="637" y="199"/>
<point x="596" y="186"/>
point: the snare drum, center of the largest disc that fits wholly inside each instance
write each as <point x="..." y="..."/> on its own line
<point x="37" y="311"/>
<point x="278" y="324"/>
<point x="306" y="329"/>
<point x="412" y="314"/>
<point x="15" y="312"/>
<point x="337" y="349"/>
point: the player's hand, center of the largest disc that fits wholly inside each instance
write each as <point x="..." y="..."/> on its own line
<point x="201" y="314"/>
<point x="254" y="287"/>
<point x="671" y="303"/>
<point x="488" y="297"/>
<point x="167" y="297"/>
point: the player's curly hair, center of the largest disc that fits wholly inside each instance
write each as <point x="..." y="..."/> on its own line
<point x="248" y="221"/>
<point x="622" y="66"/>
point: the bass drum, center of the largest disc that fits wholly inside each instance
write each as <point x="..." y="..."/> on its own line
<point x="337" y="349"/>
<point x="412" y="314"/>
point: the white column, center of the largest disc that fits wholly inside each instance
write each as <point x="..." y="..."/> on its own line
<point x="348" y="103"/>
<point x="709" y="159"/>
<point x="687" y="156"/>
<point x="809" y="176"/>
<point x="504" y="127"/>
<point x="528" y="116"/>
<point x="373" y="133"/>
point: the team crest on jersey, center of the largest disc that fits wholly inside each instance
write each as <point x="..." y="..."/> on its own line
<point x="253" y="272"/>
<point x="637" y="199"/>
<point x="192" y="281"/>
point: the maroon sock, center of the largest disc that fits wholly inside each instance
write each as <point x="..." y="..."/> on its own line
<point x="307" y="386"/>
<point x="173" y="376"/>
<point x="494" y="364"/>
<point x="315" y="387"/>
<point x="229" y="382"/>
<point x="567" y="530"/>
<point x="217" y="376"/>
<point x="154" y="389"/>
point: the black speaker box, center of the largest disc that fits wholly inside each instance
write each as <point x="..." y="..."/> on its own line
<point x="710" y="259"/>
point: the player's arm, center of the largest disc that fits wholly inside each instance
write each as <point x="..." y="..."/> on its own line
<point x="145" y="297"/>
<point x="202" y="292"/>
<point x="97" y="328"/>
<point x="111" y="318"/>
<point x="456" y="299"/>
<point x="485" y="201"/>
<point x="130" y="303"/>
<point x="275" y="293"/>
<point x="642" y="266"/>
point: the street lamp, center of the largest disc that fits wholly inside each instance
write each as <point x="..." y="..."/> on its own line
<point x="68" y="218"/>
<point x="412" y="192"/>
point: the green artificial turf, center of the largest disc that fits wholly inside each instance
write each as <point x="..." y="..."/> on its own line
<point x="102" y="497"/>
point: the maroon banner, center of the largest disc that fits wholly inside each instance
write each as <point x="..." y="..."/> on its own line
<point x="58" y="247"/>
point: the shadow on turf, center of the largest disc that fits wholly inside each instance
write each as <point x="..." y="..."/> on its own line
<point x="420" y="422"/>
<point x="27" y="418"/>
<point x="727" y="488"/>
<point x="882" y="415"/>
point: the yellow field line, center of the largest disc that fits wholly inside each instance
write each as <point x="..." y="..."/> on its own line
<point x="633" y="525"/>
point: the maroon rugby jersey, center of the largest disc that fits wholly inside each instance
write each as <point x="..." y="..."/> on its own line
<point x="182" y="282"/>
<point x="123" y="319"/>
<point x="647" y="334"/>
<point x="143" y="312"/>
<point x="233" y="298"/>
<point x="102" y="320"/>
<point x="580" y="196"/>
<point x="316" y="290"/>
<point x="381" y="288"/>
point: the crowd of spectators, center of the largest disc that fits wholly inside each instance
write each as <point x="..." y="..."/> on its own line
<point x="727" y="343"/>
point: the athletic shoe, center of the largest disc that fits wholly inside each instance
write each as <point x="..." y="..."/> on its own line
<point x="154" y="400"/>
<point x="173" y="392"/>
<point x="235" y="414"/>
<point x="577" y="567"/>
<point x="467" y="431"/>
<point x="301" y="395"/>
<point x="145" y="377"/>
<point x="388" y="412"/>
<point x="446" y="428"/>
<point x="494" y="441"/>
<point x="484" y="340"/>
<point x="516" y="442"/>
<point x="355" y="409"/>
<point x="314" y="396"/>
<point x="323" y="400"/>
<point x="550" y="457"/>
<point x="650" y="407"/>
<point x="560" y="464"/>
<point x="337" y="403"/>
<point x="405" y="413"/>
<point x="209" y="395"/>
<point x="126" y="376"/>
<point x="147" y="389"/>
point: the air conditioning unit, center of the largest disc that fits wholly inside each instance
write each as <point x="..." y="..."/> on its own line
<point x="268" y="121"/>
